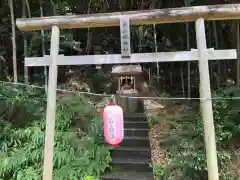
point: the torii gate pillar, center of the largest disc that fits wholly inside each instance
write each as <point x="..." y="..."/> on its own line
<point x="51" y="105"/>
<point x="206" y="101"/>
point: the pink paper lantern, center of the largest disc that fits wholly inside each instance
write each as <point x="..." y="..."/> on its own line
<point x="113" y="124"/>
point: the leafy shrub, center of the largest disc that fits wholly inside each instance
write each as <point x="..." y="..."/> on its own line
<point x="158" y="172"/>
<point x="187" y="148"/>
<point x="79" y="151"/>
<point x="154" y="120"/>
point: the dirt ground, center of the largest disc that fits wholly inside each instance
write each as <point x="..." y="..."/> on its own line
<point x="158" y="130"/>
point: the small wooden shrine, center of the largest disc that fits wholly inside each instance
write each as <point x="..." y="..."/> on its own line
<point x="129" y="78"/>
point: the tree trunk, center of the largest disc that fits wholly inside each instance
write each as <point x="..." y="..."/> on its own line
<point x="182" y="80"/>
<point x="28" y="8"/>
<point x="43" y="49"/>
<point x="210" y="44"/>
<point x="171" y="73"/>
<point x="53" y="8"/>
<point x="216" y="47"/>
<point x="14" y="48"/>
<point x="149" y="76"/>
<point x="89" y="33"/>
<point x="186" y="2"/>
<point x="25" y="43"/>
<point x="156" y="50"/>
<point x="238" y="53"/>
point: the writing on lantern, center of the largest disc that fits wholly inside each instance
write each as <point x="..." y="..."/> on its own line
<point x="111" y="127"/>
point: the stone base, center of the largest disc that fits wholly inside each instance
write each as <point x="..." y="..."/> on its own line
<point x="129" y="105"/>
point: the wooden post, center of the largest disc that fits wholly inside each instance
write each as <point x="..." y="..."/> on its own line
<point x="206" y="102"/>
<point x="51" y="106"/>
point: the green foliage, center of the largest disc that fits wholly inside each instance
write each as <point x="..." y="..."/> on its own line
<point x="90" y="178"/>
<point x="79" y="150"/>
<point x="101" y="82"/>
<point x="159" y="172"/>
<point x="187" y="148"/>
<point x="155" y="119"/>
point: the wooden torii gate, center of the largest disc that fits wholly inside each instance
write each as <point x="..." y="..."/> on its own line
<point x="124" y="20"/>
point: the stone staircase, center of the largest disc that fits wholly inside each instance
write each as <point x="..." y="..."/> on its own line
<point x="131" y="160"/>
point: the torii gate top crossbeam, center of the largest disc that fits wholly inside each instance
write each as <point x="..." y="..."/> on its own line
<point x="156" y="16"/>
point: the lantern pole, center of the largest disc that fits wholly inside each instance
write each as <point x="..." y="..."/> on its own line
<point x="51" y="106"/>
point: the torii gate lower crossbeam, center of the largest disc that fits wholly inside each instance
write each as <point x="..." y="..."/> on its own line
<point x="197" y="13"/>
<point x="180" y="56"/>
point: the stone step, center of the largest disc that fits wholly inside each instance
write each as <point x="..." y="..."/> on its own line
<point x="136" y="124"/>
<point x="127" y="114"/>
<point x="135" y="117"/>
<point x="136" y="132"/>
<point x="135" y="142"/>
<point x="130" y="152"/>
<point x="131" y="160"/>
<point x="132" y="164"/>
<point x="128" y="176"/>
